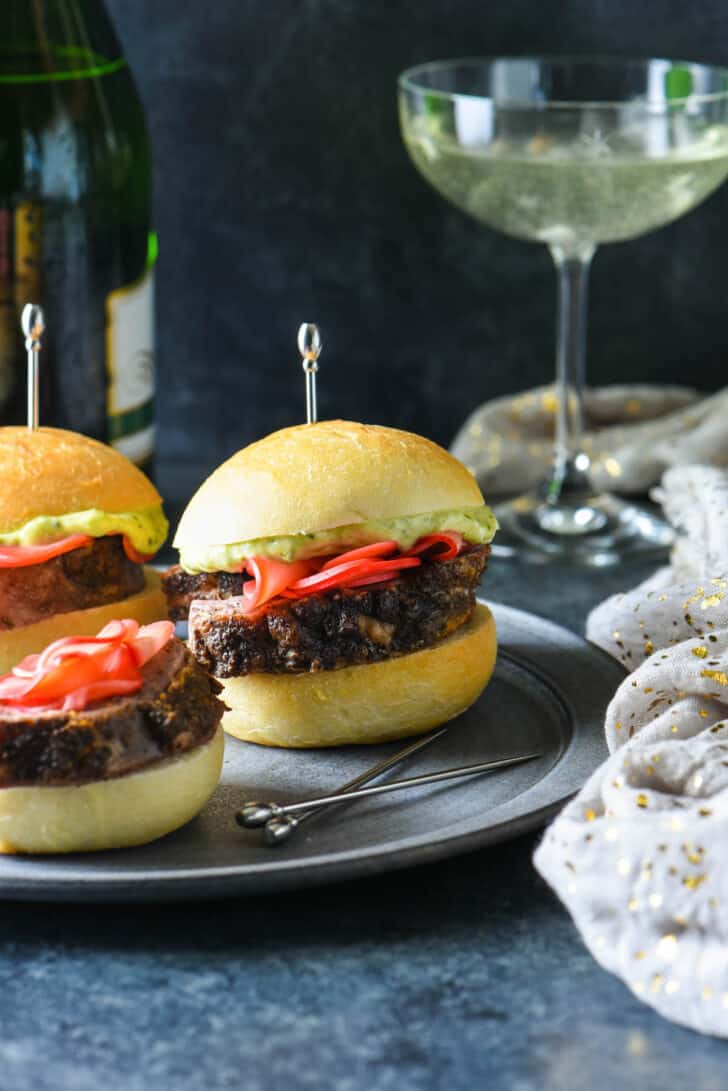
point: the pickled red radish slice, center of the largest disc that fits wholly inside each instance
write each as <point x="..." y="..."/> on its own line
<point x="342" y="575"/>
<point x="376" y="549"/>
<point x="18" y="556"/>
<point x="450" y="540"/>
<point x="270" y="578"/>
<point x="369" y="564"/>
<point x="76" y="670"/>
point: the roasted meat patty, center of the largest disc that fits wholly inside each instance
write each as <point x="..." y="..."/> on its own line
<point x="176" y="710"/>
<point x="182" y="588"/>
<point x="90" y="576"/>
<point x="328" y="630"/>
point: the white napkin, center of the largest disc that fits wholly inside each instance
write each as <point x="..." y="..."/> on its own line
<point x="633" y="433"/>
<point x="690" y="597"/>
<point x="640" y="857"/>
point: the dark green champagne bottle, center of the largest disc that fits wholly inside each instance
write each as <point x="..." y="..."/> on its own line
<point x="75" y="223"/>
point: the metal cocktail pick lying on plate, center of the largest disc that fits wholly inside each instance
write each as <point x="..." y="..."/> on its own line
<point x="280" y="821"/>
<point x="277" y="829"/>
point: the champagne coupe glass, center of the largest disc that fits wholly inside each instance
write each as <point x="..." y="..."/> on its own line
<point x="570" y="152"/>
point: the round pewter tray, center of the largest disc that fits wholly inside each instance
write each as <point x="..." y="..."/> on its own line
<point x="548" y="694"/>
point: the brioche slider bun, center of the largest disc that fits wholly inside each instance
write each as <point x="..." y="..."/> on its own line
<point x="111" y="814"/>
<point x="318" y="477"/>
<point x="341" y="482"/>
<point x="53" y="472"/>
<point x="376" y="702"/>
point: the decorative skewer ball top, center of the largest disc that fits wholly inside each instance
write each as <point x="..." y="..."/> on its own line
<point x="309" y="346"/>
<point x="33" y="325"/>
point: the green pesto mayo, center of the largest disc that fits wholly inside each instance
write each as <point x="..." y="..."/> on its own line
<point x="477" y="525"/>
<point x="146" y="529"/>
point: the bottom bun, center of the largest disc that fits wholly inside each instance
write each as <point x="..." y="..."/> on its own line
<point x="145" y="606"/>
<point x="401" y="696"/>
<point x="111" y="814"/>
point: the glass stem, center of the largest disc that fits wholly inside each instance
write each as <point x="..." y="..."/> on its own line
<point x="569" y="480"/>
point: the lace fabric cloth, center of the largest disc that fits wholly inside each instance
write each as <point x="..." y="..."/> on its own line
<point x="639" y="856"/>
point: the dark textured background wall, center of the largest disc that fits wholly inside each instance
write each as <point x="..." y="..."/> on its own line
<point x="284" y="194"/>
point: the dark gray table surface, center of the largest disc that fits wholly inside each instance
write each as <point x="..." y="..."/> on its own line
<point x="462" y="974"/>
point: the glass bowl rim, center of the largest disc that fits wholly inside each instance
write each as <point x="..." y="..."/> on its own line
<point x="406" y="81"/>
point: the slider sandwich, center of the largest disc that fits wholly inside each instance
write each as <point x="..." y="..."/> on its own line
<point x="106" y="741"/>
<point x="329" y="576"/>
<point x="78" y="521"/>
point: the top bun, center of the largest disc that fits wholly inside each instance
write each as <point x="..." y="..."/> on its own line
<point x="52" y="472"/>
<point x="317" y="476"/>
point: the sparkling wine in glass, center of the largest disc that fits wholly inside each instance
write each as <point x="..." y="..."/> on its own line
<point x="570" y="152"/>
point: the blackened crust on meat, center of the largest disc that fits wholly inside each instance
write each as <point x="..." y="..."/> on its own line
<point x="181" y="588"/>
<point x="90" y="576"/>
<point x="339" y="628"/>
<point x="176" y="710"/>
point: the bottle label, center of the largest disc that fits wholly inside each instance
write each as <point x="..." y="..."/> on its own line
<point x="130" y="365"/>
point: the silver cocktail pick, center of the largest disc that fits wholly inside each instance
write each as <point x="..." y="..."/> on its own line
<point x="33" y="326"/>
<point x="284" y="814"/>
<point x="309" y="345"/>
<point x="252" y="815"/>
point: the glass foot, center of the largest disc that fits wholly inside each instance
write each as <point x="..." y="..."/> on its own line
<point x="596" y="530"/>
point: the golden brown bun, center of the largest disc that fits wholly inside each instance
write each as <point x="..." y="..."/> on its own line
<point x="147" y="605"/>
<point x="52" y="472"/>
<point x="317" y="476"/>
<point x="372" y="703"/>
<point x="111" y="814"/>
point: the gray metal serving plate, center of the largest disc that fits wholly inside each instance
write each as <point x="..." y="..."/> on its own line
<point x="548" y="693"/>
